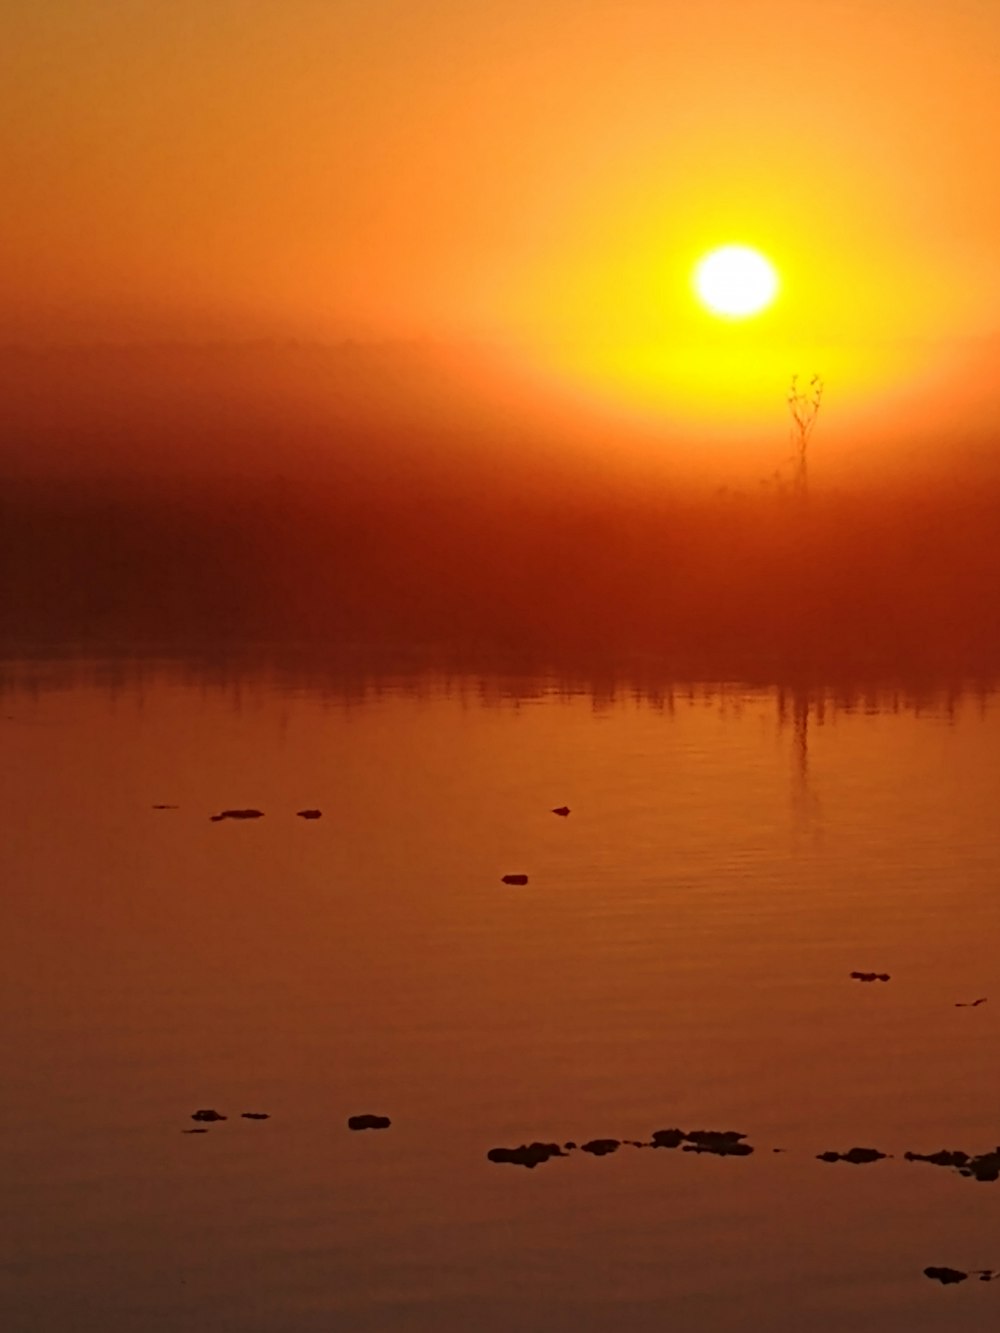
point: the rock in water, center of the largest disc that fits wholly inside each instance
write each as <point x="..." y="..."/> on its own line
<point x="208" y="1114"/>
<point x="562" y="810"/>
<point x="237" y="814"/>
<point x="309" y="814"/>
<point x="945" y="1275"/>
<point x="514" y="879"/>
<point x="255" y="1115"/>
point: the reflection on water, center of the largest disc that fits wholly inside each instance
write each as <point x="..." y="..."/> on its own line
<point x="681" y="956"/>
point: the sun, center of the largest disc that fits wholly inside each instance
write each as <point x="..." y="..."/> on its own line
<point x="735" y="281"/>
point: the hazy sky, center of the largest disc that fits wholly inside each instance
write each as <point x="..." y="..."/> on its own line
<point x="537" y="172"/>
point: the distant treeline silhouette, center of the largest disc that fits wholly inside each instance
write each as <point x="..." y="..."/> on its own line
<point x="726" y="587"/>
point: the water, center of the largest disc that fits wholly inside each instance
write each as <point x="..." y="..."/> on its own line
<point x="680" y="956"/>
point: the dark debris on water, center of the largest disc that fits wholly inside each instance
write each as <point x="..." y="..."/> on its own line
<point x="721" y="1142"/>
<point x="601" y="1147"/>
<point x="870" y="976"/>
<point x="946" y="1157"/>
<point x="856" y="1156"/>
<point x="984" y="1166"/>
<point x="528" y="1154"/>
<point x="368" y="1122"/>
<point x="947" y="1276"/>
<point x="237" y="814"/>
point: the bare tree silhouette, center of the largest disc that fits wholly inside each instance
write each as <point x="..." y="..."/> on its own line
<point x="804" y="405"/>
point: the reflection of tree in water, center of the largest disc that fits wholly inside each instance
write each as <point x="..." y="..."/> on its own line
<point x="797" y="707"/>
<point x="802" y="708"/>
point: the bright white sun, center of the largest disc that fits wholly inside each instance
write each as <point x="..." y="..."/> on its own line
<point x="735" y="281"/>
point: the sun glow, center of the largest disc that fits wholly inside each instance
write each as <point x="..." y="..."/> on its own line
<point x="735" y="281"/>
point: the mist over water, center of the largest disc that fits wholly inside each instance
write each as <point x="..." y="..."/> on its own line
<point x="184" y="498"/>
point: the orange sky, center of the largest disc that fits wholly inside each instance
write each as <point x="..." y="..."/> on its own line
<point x="536" y="173"/>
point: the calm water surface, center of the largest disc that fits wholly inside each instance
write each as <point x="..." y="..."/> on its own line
<point x="681" y="956"/>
